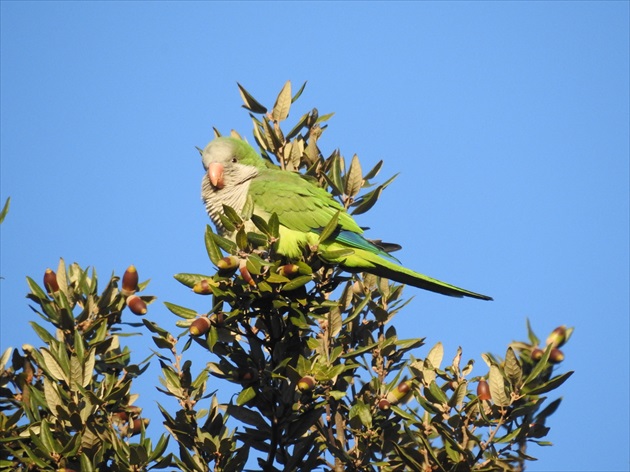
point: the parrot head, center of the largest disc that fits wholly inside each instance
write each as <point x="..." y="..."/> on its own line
<point x="229" y="162"/>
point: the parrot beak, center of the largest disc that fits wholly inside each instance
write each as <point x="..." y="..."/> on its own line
<point x="215" y="174"/>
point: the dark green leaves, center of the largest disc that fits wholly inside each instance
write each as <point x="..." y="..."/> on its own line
<point x="75" y="392"/>
<point x="250" y="103"/>
<point x="280" y="110"/>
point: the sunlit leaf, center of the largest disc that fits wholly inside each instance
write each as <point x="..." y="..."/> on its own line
<point x="181" y="311"/>
<point x="246" y="395"/>
<point x="281" y="108"/>
<point x="435" y="355"/>
<point x="512" y="368"/>
<point x="497" y="387"/>
<point x="54" y="366"/>
<point x="354" y="178"/>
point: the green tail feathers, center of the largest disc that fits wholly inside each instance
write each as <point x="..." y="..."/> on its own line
<point x="372" y="263"/>
<point x="405" y="276"/>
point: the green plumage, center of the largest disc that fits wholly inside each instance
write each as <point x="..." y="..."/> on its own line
<point x="303" y="210"/>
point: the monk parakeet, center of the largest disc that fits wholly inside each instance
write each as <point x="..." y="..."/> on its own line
<point x="235" y="171"/>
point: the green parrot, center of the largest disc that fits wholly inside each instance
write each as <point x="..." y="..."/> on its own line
<point x="235" y="171"/>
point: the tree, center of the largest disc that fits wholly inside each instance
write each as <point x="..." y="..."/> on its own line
<point x="325" y="382"/>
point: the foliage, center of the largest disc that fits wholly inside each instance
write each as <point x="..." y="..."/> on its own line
<point x="69" y="405"/>
<point x="324" y="380"/>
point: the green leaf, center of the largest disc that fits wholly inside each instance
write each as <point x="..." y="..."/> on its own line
<point x="42" y="332"/>
<point x="335" y="256"/>
<point x="241" y="238"/>
<point x="246" y="395"/>
<point x="274" y="225"/>
<point x="297" y="283"/>
<point x="79" y="348"/>
<point x="453" y="451"/>
<point x="334" y="322"/>
<point x="249" y="417"/>
<point x="530" y="333"/>
<point x="251" y="103"/>
<point x="298" y="93"/>
<point x="76" y="373"/>
<point x="62" y="280"/>
<point x="512" y="368"/>
<point x="435" y="355"/>
<point x="36" y="289"/>
<point x="437" y="393"/>
<point x="256" y="239"/>
<point x="88" y="368"/>
<point x="259" y="136"/>
<point x="231" y="214"/>
<point x="255" y="264"/>
<point x="281" y="108"/>
<point x="497" y="387"/>
<point x="7" y="204"/>
<point x="72" y="446"/>
<point x="361" y="411"/>
<point x="333" y="178"/>
<point x="214" y="253"/>
<point x="262" y="225"/>
<point x="189" y="280"/>
<point x="162" y="343"/>
<point x="367" y="201"/>
<point x="374" y="172"/>
<point x="330" y="228"/>
<point x="325" y="117"/>
<point x="224" y="243"/>
<point x="541" y="365"/>
<point x="54" y="366"/>
<point x="47" y="438"/>
<point x="86" y="465"/>
<point x="33" y="456"/>
<point x="549" y="385"/>
<point x="155" y="328"/>
<point x="457" y="399"/>
<point x="180" y="311"/>
<point x="337" y="394"/>
<point x="508" y="437"/>
<point x="137" y="454"/>
<point x="548" y="411"/>
<point x="271" y="135"/>
<point x="298" y="126"/>
<point x="52" y="395"/>
<point x="227" y="224"/>
<point x="468" y="367"/>
<point x="354" y="178"/>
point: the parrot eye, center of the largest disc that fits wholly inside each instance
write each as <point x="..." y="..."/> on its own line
<point x="234" y="160"/>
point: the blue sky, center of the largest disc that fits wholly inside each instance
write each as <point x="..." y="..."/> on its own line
<point x="508" y="123"/>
